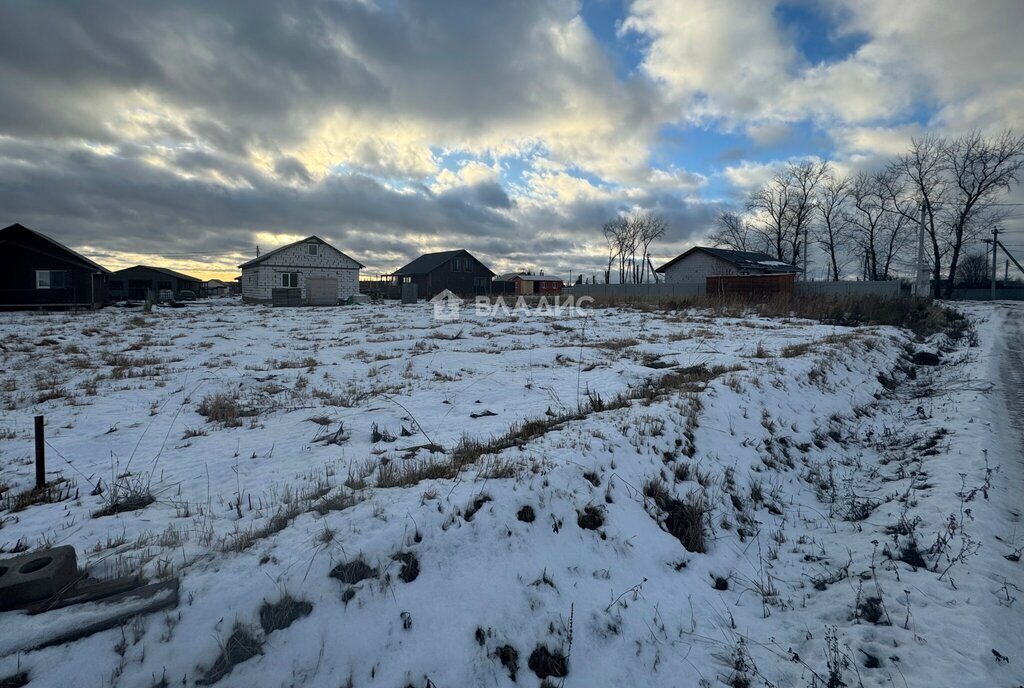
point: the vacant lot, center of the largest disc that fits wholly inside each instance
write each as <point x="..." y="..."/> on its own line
<point x="367" y="496"/>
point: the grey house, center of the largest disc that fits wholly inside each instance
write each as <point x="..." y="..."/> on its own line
<point x="136" y="282"/>
<point x="701" y="262"/>
<point x="308" y="272"/>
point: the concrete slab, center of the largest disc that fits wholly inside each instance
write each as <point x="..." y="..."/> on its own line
<point x="37" y="576"/>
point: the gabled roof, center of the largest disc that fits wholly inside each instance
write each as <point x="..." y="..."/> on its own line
<point x="74" y="255"/>
<point x="166" y="271"/>
<point x="429" y="262"/>
<point x="268" y="254"/>
<point x="753" y="260"/>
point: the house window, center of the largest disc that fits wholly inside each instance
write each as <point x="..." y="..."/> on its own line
<point x="51" y="279"/>
<point x="290" y="279"/>
<point x="314" y="249"/>
<point x="456" y="264"/>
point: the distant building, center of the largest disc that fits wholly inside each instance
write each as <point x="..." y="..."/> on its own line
<point x="521" y="283"/>
<point x="38" y="272"/>
<point x="140" y="282"/>
<point x="457" y="271"/>
<point x="307" y="272"/>
<point x="216" y="287"/>
<point x="701" y="262"/>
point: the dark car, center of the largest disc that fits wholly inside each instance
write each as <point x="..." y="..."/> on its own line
<point x="186" y="295"/>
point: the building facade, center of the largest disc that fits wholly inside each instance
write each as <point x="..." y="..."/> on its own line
<point x="457" y="271"/>
<point x="307" y="272"/>
<point x="142" y="282"/>
<point x="701" y="262"/>
<point x="39" y="272"/>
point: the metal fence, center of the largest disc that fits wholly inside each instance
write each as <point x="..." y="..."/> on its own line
<point x="986" y="294"/>
<point x="682" y="290"/>
<point x="888" y="288"/>
<point x="637" y="292"/>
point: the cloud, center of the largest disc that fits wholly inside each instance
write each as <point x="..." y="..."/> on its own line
<point x="735" y="62"/>
<point x="397" y="126"/>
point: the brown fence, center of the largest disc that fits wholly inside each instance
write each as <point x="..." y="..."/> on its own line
<point x="751" y="286"/>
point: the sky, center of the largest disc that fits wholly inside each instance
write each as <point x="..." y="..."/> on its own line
<point x="188" y="134"/>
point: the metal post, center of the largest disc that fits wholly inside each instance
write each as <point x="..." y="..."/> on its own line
<point x="806" y="251"/>
<point x="995" y="245"/>
<point x="40" y="455"/>
<point x="920" y="284"/>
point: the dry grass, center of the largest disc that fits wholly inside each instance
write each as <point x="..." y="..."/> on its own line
<point x="920" y="316"/>
<point x="223" y="408"/>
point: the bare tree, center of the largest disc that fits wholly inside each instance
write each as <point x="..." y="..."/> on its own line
<point x="832" y="234"/>
<point x="731" y="232"/>
<point x="769" y="206"/>
<point x="980" y="169"/>
<point x="626" y="237"/>
<point x="974" y="270"/>
<point x="650" y="228"/>
<point x="612" y="231"/>
<point x="879" y="233"/>
<point x="918" y="179"/>
<point x="783" y="209"/>
<point x="803" y="181"/>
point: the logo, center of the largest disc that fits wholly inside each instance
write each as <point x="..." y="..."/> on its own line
<point x="447" y="306"/>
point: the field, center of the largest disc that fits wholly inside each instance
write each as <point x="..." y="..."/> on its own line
<point x="367" y="496"/>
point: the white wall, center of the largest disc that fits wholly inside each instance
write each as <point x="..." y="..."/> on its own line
<point x="697" y="267"/>
<point x="258" y="280"/>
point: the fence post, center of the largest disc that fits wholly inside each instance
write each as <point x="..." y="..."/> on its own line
<point x="40" y="455"/>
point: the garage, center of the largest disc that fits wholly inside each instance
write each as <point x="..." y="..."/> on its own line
<point x="322" y="291"/>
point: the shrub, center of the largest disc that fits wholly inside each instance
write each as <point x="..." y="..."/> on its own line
<point x="283" y="613"/>
<point x="221" y="408"/>
<point x="240" y="646"/>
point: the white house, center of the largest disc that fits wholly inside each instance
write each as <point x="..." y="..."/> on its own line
<point x="308" y="272"/>
<point x="701" y="262"/>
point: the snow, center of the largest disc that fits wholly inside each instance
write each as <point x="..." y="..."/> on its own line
<point x="823" y="432"/>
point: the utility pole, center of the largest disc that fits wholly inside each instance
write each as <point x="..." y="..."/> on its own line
<point x="995" y="246"/>
<point x="920" y="283"/>
<point x="806" y="252"/>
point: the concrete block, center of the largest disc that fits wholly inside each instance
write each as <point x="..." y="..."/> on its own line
<point x="37" y="576"/>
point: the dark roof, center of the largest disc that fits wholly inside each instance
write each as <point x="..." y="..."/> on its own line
<point x="526" y="277"/>
<point x="539" y="278"/>
<point x="166" y="271"/>
<point x="260" y="259"/>
<point x="744" y="259"/>
<point x="75" y="256"/>
<point x="429" y="262"/>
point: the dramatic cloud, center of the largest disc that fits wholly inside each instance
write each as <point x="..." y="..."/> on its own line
<point x="189" y="132"/>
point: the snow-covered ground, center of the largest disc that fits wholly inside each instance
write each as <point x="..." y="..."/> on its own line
<point x="506" y="498"/>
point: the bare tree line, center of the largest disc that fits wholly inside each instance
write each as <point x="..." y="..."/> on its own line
<point x="870" y="219"/>
<point x="628" y="239"/>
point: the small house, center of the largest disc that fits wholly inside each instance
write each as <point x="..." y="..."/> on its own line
<point x="524" y="284"/>
<point x="309" y="272"/>
<point x="215" y="288"/>
<point x="457" y="271"/>
<point x="141" y="282"/>
<point x="39" y="272"/>
<point x="701" y="262"/>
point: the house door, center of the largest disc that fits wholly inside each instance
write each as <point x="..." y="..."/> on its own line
<point x="322" y="291"/>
